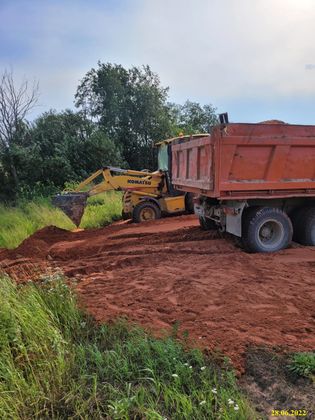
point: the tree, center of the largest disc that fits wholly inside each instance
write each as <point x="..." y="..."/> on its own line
<point x="130" y="106"/>
<point x="15" y="104"/>
<point x="192" y="118"/>
<point x="62" y="147"/>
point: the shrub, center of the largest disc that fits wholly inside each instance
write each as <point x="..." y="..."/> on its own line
<point x="303" y="364"/>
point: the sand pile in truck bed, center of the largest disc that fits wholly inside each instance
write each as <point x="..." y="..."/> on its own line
<point x="168" y="271"/>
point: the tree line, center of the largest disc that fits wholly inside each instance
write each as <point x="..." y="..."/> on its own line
<point x="119" y="114"/>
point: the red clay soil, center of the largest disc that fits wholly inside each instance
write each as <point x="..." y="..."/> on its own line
<point x="168" y="271"/>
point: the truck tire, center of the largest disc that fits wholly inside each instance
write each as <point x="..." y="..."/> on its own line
<point x="304" y="226"/>
<point x="206" y="224"/>
<point x="266" y="229"/>
<point x="147" y="210"/>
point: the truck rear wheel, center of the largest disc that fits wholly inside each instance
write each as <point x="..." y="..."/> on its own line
<point x="266" y="229"/>
<point x="206" y="224"/>
<point x="304" y="226"/>
<point x="145" y="211"/>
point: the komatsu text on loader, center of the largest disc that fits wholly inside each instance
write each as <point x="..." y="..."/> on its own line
<point x="147" y="195"/>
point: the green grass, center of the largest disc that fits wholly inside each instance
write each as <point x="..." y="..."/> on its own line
<point x="17" y="223"/>
<point x="56" y="363"/>
<point x="102" y="210"/>
<point x="303" y="364"/>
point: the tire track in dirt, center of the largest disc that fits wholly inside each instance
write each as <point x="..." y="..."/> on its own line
<point x="167" y="272"/>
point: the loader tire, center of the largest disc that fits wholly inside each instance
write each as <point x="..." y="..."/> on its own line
<point x="207" y="224"/>
<point x="147" y="210"/>
<point x="266" y="229"/>
<point x="304" y="226"/>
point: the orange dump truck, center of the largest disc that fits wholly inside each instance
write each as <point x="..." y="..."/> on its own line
<point x="255" y="181"/>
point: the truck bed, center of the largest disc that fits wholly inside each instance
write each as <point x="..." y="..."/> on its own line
<point x="243" y="161"/>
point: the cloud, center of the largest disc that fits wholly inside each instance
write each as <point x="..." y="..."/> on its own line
<point x="231" y="48"/>
<point x="245" y="56"/>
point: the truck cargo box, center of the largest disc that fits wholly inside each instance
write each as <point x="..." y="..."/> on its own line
<point x="243" y="161"/>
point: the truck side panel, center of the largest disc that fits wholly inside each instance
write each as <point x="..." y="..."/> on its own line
<point x="193" y="166"/>
<point x="249" y="161"/>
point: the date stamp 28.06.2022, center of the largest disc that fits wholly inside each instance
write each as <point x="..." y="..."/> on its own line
<point x="289" y="413"/>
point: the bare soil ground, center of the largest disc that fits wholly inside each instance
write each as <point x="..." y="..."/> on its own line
<point x="167" y="272"/>
<point x="270" y="385"/>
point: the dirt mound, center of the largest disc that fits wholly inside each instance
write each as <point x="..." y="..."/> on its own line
<point x="37" y="245"/>
<point x="170" y="271"/>
<point x="29" y="260"/>
<point x="273" y="122"/>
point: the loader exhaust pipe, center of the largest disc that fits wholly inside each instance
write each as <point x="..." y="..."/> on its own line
<point x="72" y="204"/>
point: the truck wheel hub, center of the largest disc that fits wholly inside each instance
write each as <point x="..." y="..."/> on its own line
<point x="271" y="232"/>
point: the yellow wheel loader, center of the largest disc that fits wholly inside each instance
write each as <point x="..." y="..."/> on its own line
<point x="147" y="195"/>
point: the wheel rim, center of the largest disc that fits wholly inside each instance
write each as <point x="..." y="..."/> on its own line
<point x="270" y="233"/>
<point x="147" y="213"/>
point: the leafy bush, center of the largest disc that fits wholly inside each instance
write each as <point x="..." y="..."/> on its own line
<point x="36" y="191"/>
<point x="303" y="364"/>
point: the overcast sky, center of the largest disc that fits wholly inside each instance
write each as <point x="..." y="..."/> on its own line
<point x="252" y="58"/>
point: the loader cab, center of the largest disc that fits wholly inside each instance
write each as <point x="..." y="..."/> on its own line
<point x="165" y="163"/>
<point x="163" y="156"/>
<point x="165" y="150"/>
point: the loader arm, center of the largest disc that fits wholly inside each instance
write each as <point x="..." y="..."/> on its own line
<point x="122" y="180"/>
<point x="73" y="202"/>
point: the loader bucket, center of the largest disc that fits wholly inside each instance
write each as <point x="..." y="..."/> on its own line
<point x="72" y="204"/>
